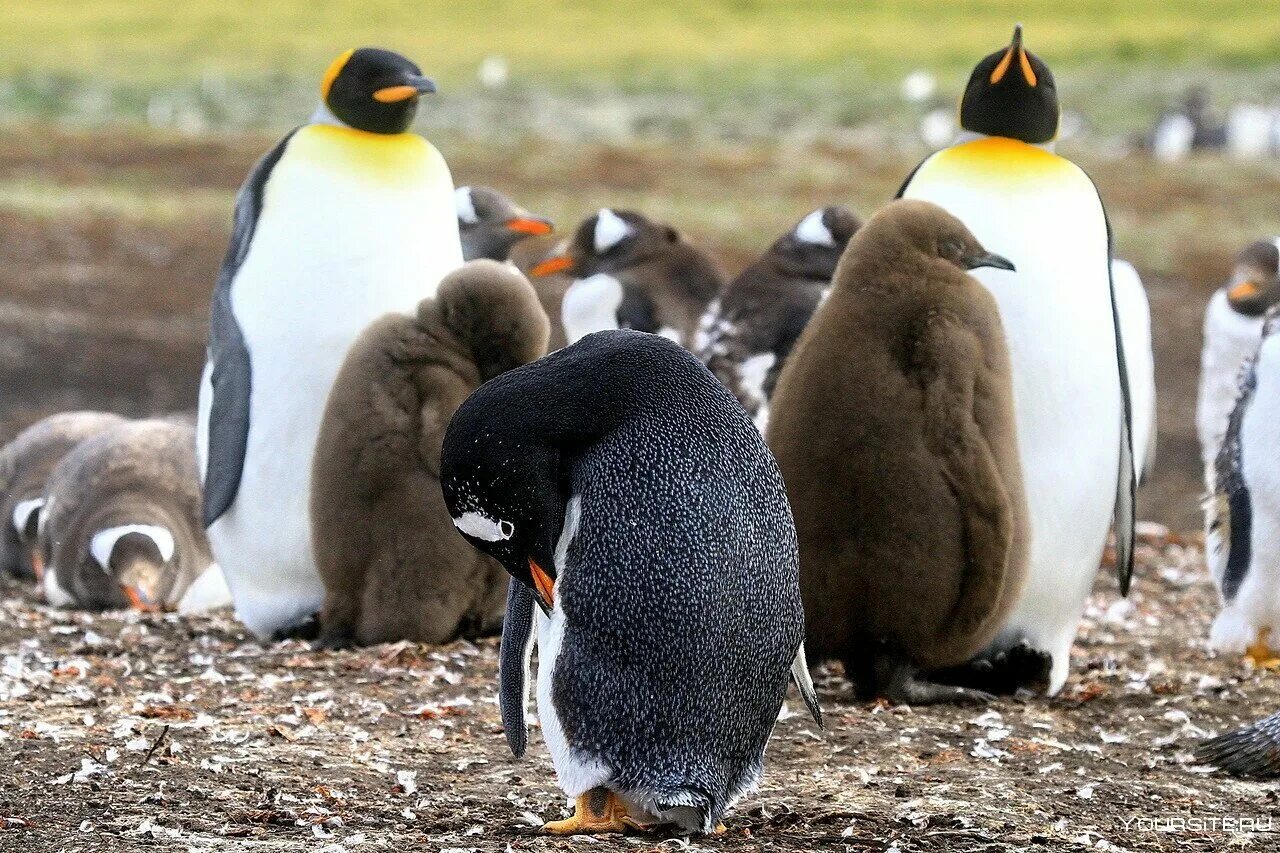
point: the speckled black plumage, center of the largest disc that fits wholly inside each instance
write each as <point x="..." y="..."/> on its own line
<point x="680" y="589"/>
<point x="1252" y="752"/>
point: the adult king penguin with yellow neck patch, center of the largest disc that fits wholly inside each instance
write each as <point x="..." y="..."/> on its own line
<point x="1071" y="397"/>
<point x="349" y="217"/>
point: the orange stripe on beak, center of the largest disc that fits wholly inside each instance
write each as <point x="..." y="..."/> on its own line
<point x="551" y="266"/>
<point x="37" y="563"/>
<point x="997" y="73"/>
<point x="137" y="602"/>
<point x="394" y="94"/>
<point x="546" y="586"/>
<point x="1244" y="290"/>
<point x="527" y="225"/>
<point x="1028" y="73"/>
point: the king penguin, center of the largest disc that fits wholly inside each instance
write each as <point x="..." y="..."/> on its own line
<point x="1071" y="398"/>
<point x="1232" y="330"/>
<point x="349" y="217"/>
<point x="638" y="510"/>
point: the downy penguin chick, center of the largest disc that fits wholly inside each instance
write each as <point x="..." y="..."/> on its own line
<point x="392" y="566"/>
<point x="630" y="497"/>
<point x="122" y="524"/>
<point x="666" y="282"/>
<point x="490" y="224"/>
<point x="893" y="425"/>
<point x="25" y="466"/>
<point x="749" y="329"/>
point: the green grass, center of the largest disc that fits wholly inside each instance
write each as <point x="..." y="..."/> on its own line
<point x="162" y="43"/>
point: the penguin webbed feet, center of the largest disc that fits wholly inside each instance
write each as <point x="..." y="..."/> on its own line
<point x="306" y="631"/>
<point x="1003" y="673"/>
<point x="597" y="812"/>
<point x="1260" y="652"/>
<point x="906" y="687"/>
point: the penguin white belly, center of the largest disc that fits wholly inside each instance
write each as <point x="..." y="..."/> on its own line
<point x="1257" y="602"/>
<point x="1229" y="338"/>
<point x="1041" y="212"/>
<point x="352" y="227"/>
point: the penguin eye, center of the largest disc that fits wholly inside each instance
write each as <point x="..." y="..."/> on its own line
<point x="950" y="248"/>
<point x="506" y="528"/>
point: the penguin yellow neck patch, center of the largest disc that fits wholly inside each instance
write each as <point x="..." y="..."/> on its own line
<point x="401" y="158"/>
<point x="331" y="73"/>
<point x="1016" y="160"/>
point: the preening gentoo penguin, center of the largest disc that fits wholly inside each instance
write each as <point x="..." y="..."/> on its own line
<point x="1232" y="330"/>
<point x="122" y="523"/>
<point x="633" y="502"/>
<point x="1252" y="752"/>
<point x="25" y="466"/>
<point x="894" y="429"/>
<point x="749" y="329"/>
<point x="666" y="282"/>
<point x="348" y="218"/>
<point x="1070" y="386"/>
<point x="1242" y="515"/>
<point x="1133" y="311"/>
<point x="489" y="223"/>
<point x="392" y="566"/>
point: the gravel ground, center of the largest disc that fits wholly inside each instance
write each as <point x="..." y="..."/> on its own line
<point x="127" y="731"/>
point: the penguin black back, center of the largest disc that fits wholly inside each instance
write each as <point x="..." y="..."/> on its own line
<point x="1011" y="93"/>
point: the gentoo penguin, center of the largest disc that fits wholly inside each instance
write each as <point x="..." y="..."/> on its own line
<point x="392" y="566"/>
<point x="1252" y="752"/>
<point x="1070" y="388"/>
<point x="666" y="282"/>
<point x="1133" y="310"/>
<point x="893" y="426"/>
<point x="1242" y="515"/>
<point x="489" y="223"/>
<point x="351" y="216"/>
<point x="748" y="330"/>
<point x="1232" y="329"/>
<point x="633" y="502"/>
<point x="122" y="527"/>
<point x="25" y="465"/>
<point x="550" y="286"/>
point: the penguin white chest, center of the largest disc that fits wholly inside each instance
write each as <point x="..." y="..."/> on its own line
<point x="352" y="227"/>
<point x="1229" y="338"/>
<point x="1044" y="214"/>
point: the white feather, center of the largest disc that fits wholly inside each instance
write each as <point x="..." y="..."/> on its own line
<point x="465" y="206"/>
<point x="483" y="527"/>
<point x="590" y="305"/>
<point x="1229" y="338"/>
<point x="104" y="541"/>
<point x="1134" y="311"/>
<point x="208" y="592"/>
<point x="611" y="229"/>
<point x="22" y="513"/>
<point x="53" y="591"/>
<point x="814" y="231"/>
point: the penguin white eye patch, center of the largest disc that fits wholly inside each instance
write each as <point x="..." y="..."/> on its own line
<point x="611" y="229"/>
<point x="465" y="206"/>
<point x="482" y="527"/>
<point x="104" y="542"/>
<point x="813" y="230"/>
<point x="22" y="511"/>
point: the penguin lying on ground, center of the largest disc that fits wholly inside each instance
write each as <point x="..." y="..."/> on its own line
<point x="1133" y="311"/>
<point x="634" y="503"/>
<point x="663" y="282"/>
<point x="122" y="528"/>
<point x="1242" y="515"/>
<point x="1232" y="329"/>
<point x="1252" y="752"/>
<point x="490" y="224"/>
<point x="347" y="218"/>
<point x="1070" y="381"/>
<point x="392" y="566"/>
<point x="894" y="429"/>
<point x="748" y="330"/>
<point x="25" y="465"/>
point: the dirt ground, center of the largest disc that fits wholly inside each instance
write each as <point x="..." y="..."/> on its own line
<point x="126" y="731"/>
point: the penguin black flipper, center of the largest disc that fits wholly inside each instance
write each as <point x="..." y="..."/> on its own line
<point x="230" y="376"/>
<point x="804" y="682"/>
<point x="1252" y="752"/>
<point x="1231" y="507"/>
<point x="902" y="190"/>
<point x="513" y="665"/>
<point x="1125" y="519"/>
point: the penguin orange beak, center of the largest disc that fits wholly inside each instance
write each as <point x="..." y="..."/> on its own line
<point x="138" y="600"/>
<point x="528" y="225"/>
<point x="546" y="586"/>
<point x="37" y="564"/>
<point x="1015" y="51"/>
<point x="1244" y="290"/>
<point x="551" y="266"/>
<point x="413" y="87"/>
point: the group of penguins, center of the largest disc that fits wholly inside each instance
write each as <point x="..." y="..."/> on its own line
<point x="898" y="444"/>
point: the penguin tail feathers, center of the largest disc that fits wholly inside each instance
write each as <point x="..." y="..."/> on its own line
<point x="1251" y="752"/>
<point x="800" y="672"/>
<point x="494" y="310"/>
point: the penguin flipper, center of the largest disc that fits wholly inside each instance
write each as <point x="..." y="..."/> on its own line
<point x="513" y="665"/>
<point x="800" y="672"/>
<point x="1251" y="752"/>
<point x="231" y="374"/>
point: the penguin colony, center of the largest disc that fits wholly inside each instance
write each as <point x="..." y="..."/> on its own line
<point x="400" y="436"/>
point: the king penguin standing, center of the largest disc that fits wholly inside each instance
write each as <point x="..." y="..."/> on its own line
<point x="349" y="217"/>
<point x="1071" y="399"/>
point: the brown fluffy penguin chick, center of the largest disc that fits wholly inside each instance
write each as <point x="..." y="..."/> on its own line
<point x="25" y="466"/>
<point x="121" y="525"/>
<point x="893" y="425"/>
<point x="392" y="564"/>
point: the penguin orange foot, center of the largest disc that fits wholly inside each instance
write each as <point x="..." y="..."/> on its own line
<point x="1260" y="654"/>
<point x="597" y="812"/>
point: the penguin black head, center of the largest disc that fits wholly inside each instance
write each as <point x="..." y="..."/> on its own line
<point x="1255" y="282"/>
<point x="374" y="90"/>
<point x="490" y="223"/>
<point x="1011" y="93"/>
<point x="813" y="247"/>
<point x="610" y="241"/>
